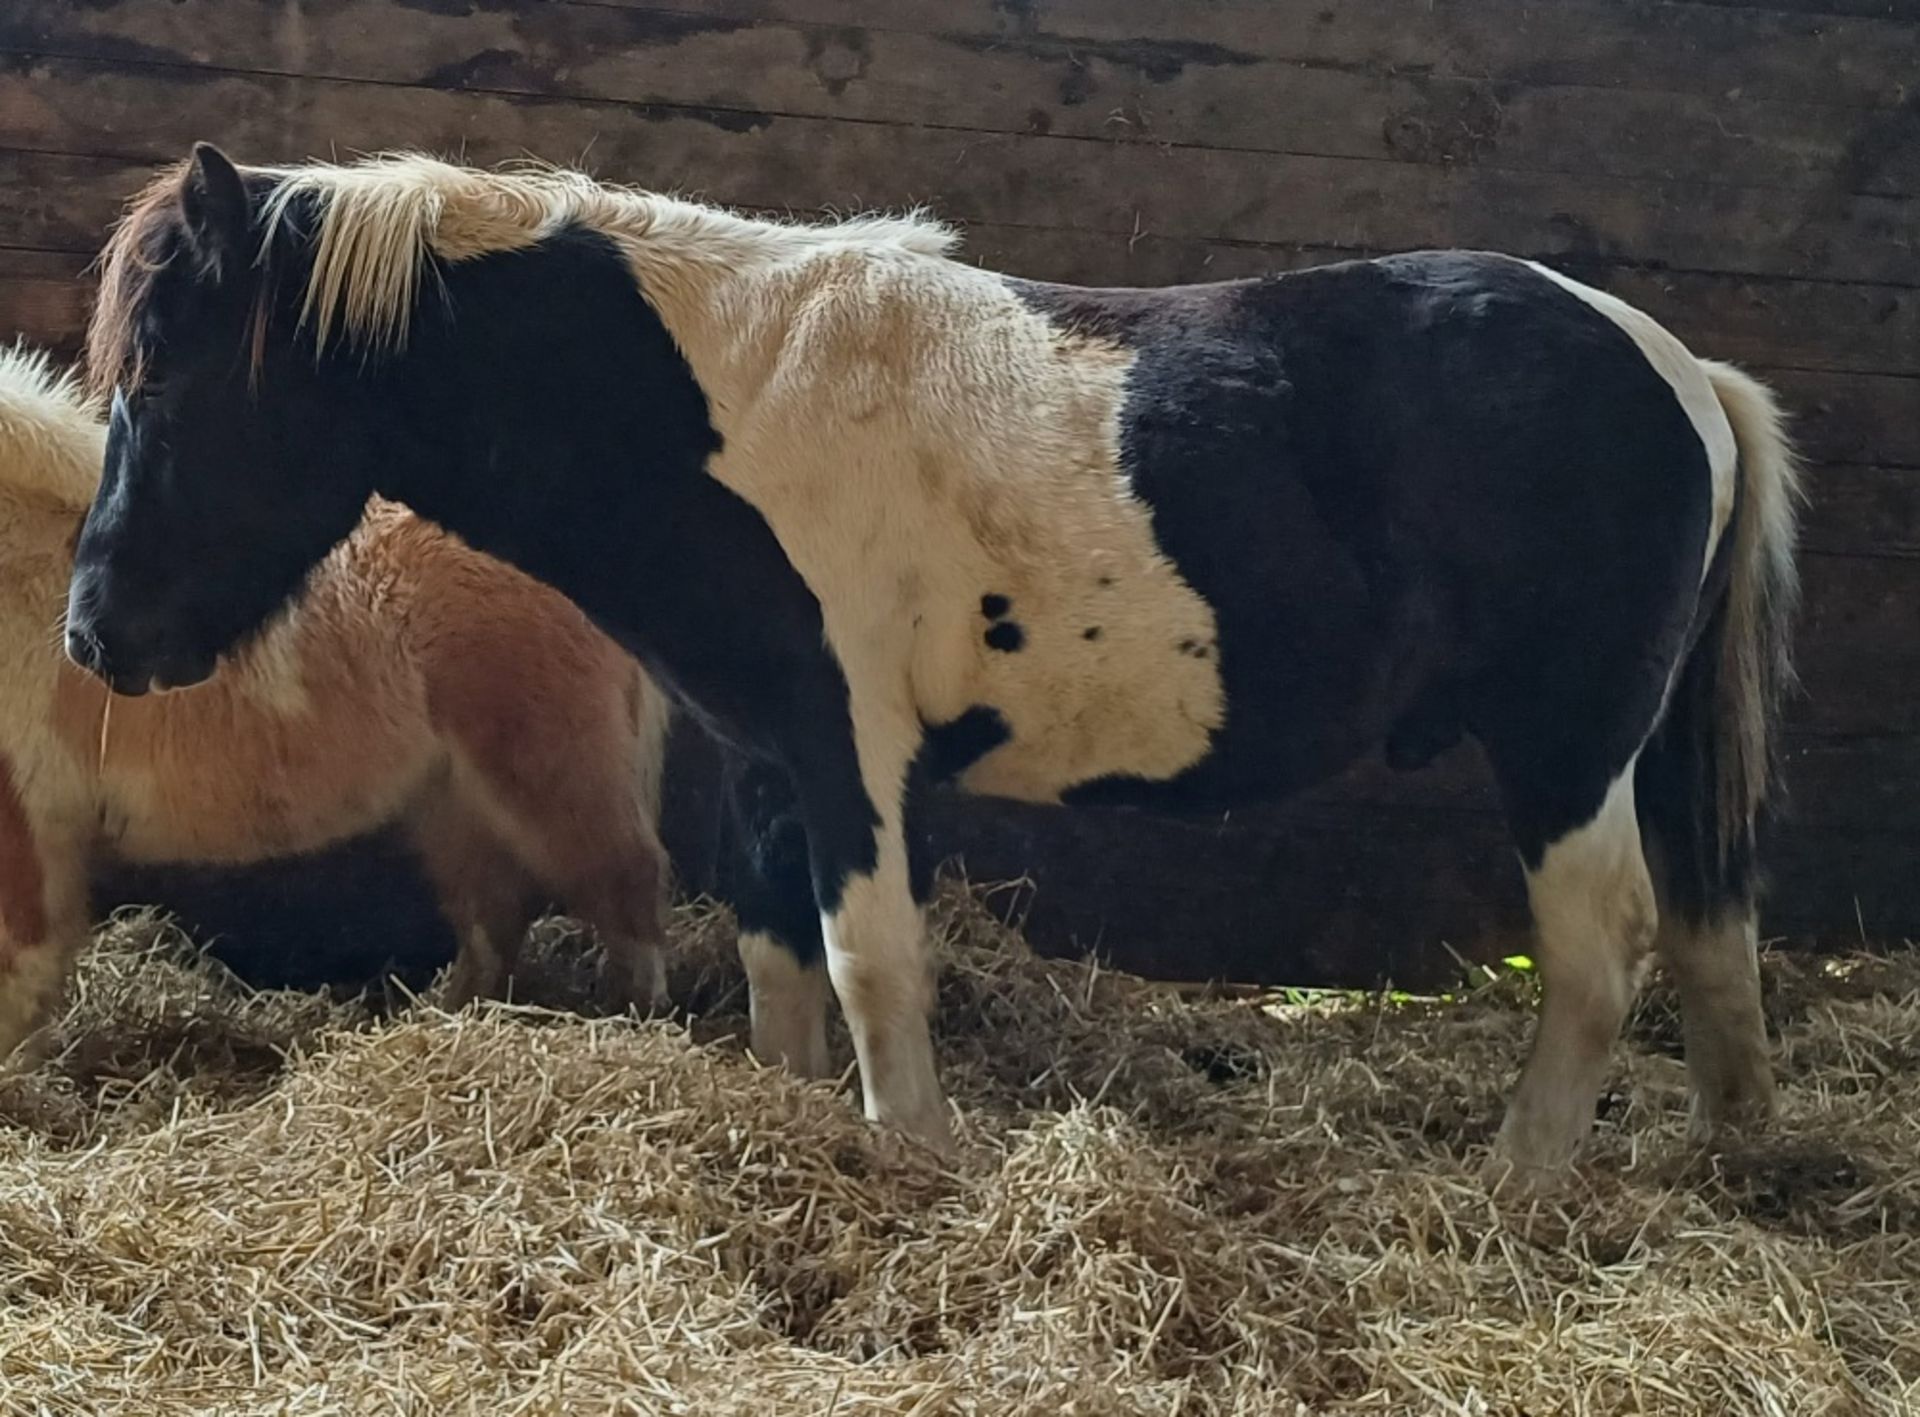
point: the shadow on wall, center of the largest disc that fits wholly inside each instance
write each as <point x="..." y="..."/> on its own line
<point x="1338" y="888"/>
<point x="1321" y="893"/>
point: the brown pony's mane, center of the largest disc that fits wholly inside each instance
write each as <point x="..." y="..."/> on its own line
<point x="137" y="250"/>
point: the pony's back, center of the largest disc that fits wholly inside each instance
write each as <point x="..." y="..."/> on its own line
<point x="51" y="433"/>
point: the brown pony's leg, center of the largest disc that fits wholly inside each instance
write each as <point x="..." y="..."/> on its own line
<point x="624" y="898"/>
<point x="43" y="923"/>
<point x="483" y="890"/>
<point x="560" y="736"/>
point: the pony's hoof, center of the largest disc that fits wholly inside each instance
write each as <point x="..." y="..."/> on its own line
<point x="1513" y="1180"/>
<point x="1722" y="1123"/>
<point x="929" y="1128"/>
<point x="640" y="991"/>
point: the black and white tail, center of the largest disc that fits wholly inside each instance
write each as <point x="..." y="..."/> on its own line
<point x="1706" y="778"/>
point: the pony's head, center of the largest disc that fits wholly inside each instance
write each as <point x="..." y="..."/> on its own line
<point x="214" y="503"/>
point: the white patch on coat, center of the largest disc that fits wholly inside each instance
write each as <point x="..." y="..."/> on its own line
<point x="954" y="444"/>
<point x="915" y="436"/>
<point x="1594" y="918"/>
<point x="787" y="1002"/>
<point x="1688" y="377"/>
<point x="269" y="669"/>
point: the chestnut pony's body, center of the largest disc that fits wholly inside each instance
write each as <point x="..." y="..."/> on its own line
<point x="418" y="682"/>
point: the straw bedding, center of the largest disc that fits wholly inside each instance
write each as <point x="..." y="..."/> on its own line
<point x="216" y="1201"/>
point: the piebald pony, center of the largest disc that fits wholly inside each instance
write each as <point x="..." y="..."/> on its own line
<point x="886" y="520"/>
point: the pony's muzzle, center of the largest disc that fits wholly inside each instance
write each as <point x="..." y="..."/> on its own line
<point x="125" y="651"/>
<point x="88" y="652"/>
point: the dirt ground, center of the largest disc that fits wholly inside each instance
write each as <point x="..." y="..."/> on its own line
<point x="214" y="1201"/>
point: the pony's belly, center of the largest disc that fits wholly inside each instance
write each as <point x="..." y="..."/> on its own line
<point x="1071" y="741"/>
<point x="1021" y="776"/>
<point x="235" y="811"/>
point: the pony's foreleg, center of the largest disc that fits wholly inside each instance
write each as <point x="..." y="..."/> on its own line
<point x="1594" y="916"/>
<point x="43" y="927"/>
<point x="874" y="929"/>
<point x="787" y="1004"/>
<point x="32" y="975"/>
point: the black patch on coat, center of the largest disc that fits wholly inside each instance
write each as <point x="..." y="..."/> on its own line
<point x="994" y="605"/>
<point x="765" y="871"/>
<point x="1006" y="636"/>
<point x="540" y="409"/>
<point x="949" y="749"/>
<point x="1092" y="632"/>
<point x="1429" y="479"/>
<point x="516" y="373"/>
<point x="946" y="751"/>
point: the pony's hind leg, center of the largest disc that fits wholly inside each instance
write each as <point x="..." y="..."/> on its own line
<point x="623" y="896"/>
<point x="1709" y="931"/>
<point x="1594" y="918"/>
<point x="1716" y="970"/>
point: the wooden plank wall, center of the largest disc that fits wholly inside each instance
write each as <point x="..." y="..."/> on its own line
<point x="1747" y="172"/>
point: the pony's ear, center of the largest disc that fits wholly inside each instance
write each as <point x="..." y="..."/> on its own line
<point x="213" y="200"/>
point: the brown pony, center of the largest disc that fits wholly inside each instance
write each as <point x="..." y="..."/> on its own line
<point x="419" y="683"/>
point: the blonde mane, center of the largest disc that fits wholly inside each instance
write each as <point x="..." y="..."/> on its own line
<point x="380" y="218"/>
<point x="51" y="438"/>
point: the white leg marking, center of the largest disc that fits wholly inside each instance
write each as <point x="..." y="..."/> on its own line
<point x="1594" y="914"/>
<point x="653" y="972"/>
<point x="876" y="953"/>
<point x="1716" y="968"/>
<point x="788" y="1001"/>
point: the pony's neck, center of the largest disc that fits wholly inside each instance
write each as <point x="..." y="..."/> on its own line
<point x="723" y="285"/>
<point x="552" y="419"/>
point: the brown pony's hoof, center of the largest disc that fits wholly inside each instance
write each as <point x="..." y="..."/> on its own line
<point x="636" y="985"/>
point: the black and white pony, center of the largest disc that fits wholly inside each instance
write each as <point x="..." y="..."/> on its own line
<point x="886" y="519"/>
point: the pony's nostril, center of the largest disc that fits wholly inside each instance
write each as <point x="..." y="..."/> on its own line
<point x="85" y="650"/>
